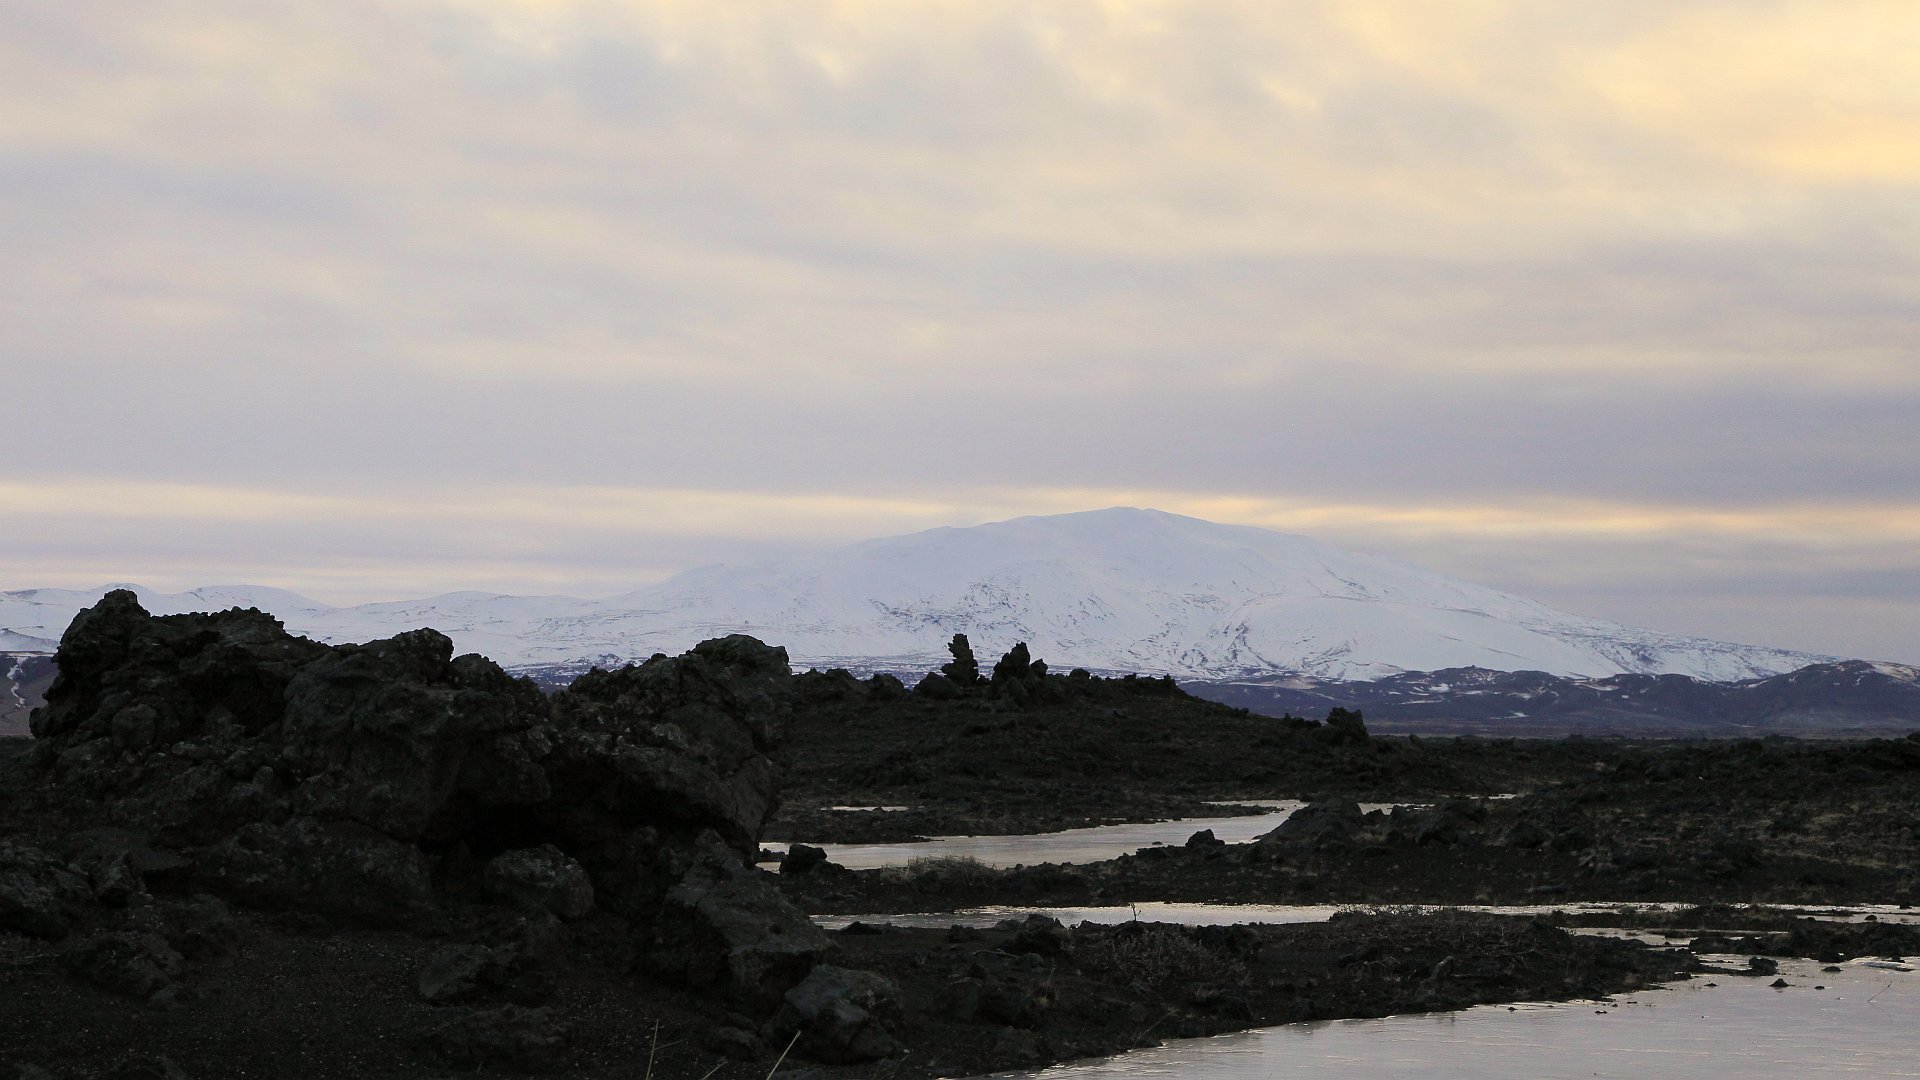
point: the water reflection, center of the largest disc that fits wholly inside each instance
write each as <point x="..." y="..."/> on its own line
<point x="1231" y="914"/>
<point x="1070" y="845"/>
<point x="1188" y="914"/>
<point x="1860" y="1024"/>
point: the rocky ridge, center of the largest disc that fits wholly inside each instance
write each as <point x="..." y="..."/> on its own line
<point x="1849" y="698"/>
<point x="218" y="759"/>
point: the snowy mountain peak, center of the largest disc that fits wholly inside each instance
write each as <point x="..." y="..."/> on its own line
<point x="1121" y="589"/>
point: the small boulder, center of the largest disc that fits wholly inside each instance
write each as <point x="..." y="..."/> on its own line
<point x="1042" y="936"/>
<point x="801" y="858"/>
<point x="843" y="1017"/>
<point x="203" y="928"/>
<point x="1343" y="728"/>
<point x="541" y="877"/>
<point x="132" y="964"/>
<point x="937" y="687"/>
<point x="886" y="686"/>
<point x="1015" y="666"/>
<point x="724" y="927"/>
<point x="29" y="898"/>
<point x="1016" y="1048"/>
<point x="1331" y="822"/>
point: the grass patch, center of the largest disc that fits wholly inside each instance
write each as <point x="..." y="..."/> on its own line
<point x="1158" y="956"/>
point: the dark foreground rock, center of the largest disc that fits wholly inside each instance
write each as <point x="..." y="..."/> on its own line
<point x="371" y="782"/>
<point x="243" y="853"/>
<point x="302" y="1001"/>
<point x="394" y="785"/>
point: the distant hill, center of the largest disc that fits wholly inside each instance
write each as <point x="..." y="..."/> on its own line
<point x="1848" y="698"/>
<point x="1113" y="591"/>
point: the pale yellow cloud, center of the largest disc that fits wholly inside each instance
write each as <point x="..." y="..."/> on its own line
<point x="1066" y="214"/>
<point x="732" y="151"/>
<point x="1753" y="572"/>
<point x="1821" y="91"/>
<point x="829" y="515"/>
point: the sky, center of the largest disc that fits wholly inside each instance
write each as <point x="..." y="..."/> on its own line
<point x="1615" y="306"/>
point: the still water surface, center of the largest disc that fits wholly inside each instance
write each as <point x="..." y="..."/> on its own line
<point x="1229" y="914"/>
<point x="1070" y="845"/>
<point x="1865" y="1023"/>
<point x="1861" y="1021"/>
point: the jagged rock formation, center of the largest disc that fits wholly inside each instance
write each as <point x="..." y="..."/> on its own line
<point x="380" y="783"/>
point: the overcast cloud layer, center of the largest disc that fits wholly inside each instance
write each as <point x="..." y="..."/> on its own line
<point x="1613" y="305"/>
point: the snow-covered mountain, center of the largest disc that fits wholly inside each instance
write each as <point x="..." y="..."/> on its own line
<point x="1110" y="590"/>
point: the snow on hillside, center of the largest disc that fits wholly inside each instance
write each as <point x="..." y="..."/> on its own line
<point x="11" y="642"/>
<point x="1111" y="590"/>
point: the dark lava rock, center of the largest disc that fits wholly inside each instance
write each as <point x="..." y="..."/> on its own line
<point x="843" y="1016"/>
<point x="132" y="964"/>
<point x="388" y="783"/>
<point x="886" y="686"/>
<point x="532" y="1040"/>
<point x="31" y="884"/>
<point x="1318" y="823"/>
<point x="1343" y="728"/>
<point x="541" y="877"/>
<point x="1021" y="1047"/>
<point x="678" y="744"/>
<point x="1016" y="665"/>
<point x="1205" y="839"/>
<point x="801" y="858"/>
<point x="203" y="929"/>
<point x="724" y="927"/>
<point x="289" y="772"/>
<point x="936" y="687"/>
<point x="1041" y="935"/>
<point x="963" y="669"/>
<point x="856" y="928"/>
<point x="1450" y="822"/>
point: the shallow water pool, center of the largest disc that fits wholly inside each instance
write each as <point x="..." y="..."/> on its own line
<point x="1864" y="1023"/>
<point x="1069" y="845"/>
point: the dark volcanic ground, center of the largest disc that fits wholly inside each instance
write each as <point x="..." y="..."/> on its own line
<point x="234" y="853"/>
<point x="1770" y="820"/>
<point x="278" y="997"/>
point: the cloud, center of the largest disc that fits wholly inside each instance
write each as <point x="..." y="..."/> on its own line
<point x="1484" y="258"/>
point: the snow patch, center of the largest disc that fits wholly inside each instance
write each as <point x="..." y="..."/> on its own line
<point x="1118" y="590"/>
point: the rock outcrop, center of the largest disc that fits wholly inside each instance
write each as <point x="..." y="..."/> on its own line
<point x="380" y="783"/>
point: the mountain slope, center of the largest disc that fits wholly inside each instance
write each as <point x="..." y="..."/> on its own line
<point x="1849" y="698"/>
<point x="1111" y="590"/>
<point x="1141" y="590"/>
